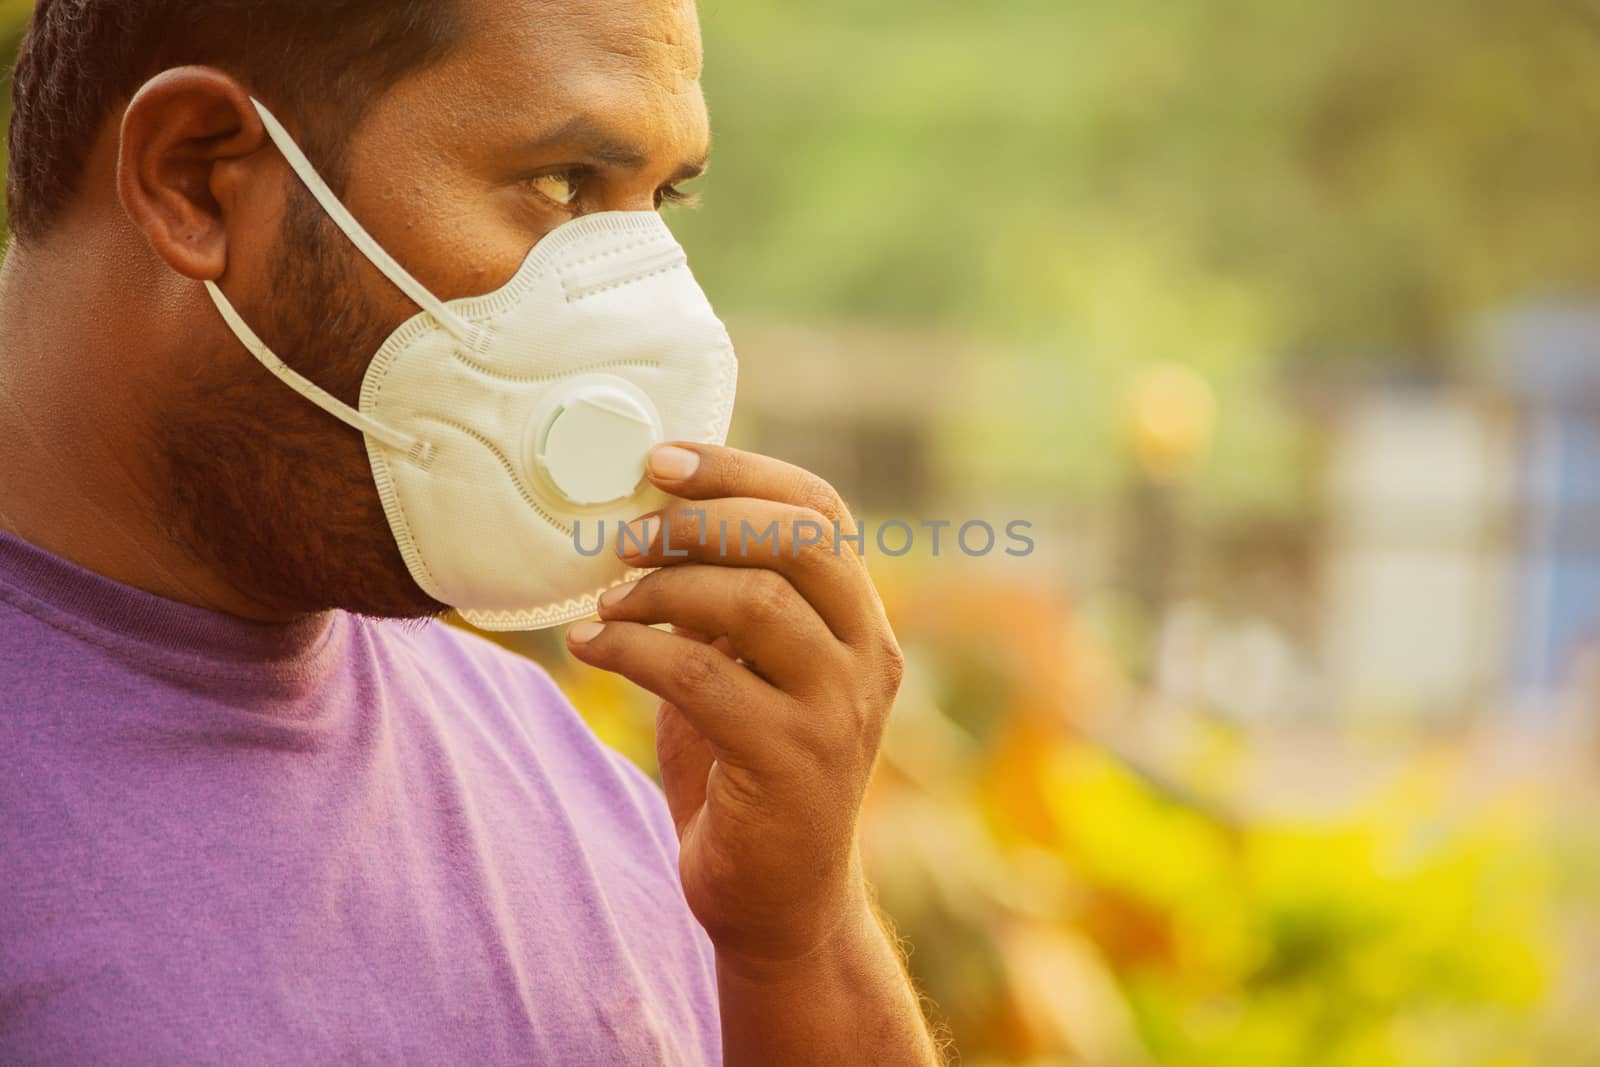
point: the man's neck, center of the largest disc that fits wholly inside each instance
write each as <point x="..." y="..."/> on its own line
<point x="79" y="481"/>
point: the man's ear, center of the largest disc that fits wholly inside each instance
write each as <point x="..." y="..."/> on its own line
<point x="180" y="134"/>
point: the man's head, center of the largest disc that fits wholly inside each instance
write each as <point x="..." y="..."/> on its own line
<point x="459" y="132"/>
<point x="321" y="60"/>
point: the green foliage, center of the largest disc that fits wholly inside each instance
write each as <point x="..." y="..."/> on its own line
<point x="1235" y="185"/>
<point x="1358" y="175"/>
<point x="1390" y="937"/>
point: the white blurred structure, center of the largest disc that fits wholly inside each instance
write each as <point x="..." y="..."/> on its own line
<point x="1419" y="560"/>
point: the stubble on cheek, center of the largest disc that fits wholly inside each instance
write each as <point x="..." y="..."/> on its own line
<point x="265" y="488"/>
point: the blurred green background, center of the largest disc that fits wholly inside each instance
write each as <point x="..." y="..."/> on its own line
<point x="1276" y="320"/>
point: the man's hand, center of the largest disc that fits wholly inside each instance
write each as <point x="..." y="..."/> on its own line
<point x="777" y="683"/>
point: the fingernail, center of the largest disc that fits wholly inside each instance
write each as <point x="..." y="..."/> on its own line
<point x="584" y="632"/>
<point x="613" y="597"/>
<point x="640" y="532"/>
<point x="673" y="464"/>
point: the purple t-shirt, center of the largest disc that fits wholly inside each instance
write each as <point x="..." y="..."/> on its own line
<point x="339" y="841"/>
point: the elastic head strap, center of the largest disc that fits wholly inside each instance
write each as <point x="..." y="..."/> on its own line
<point x="306" y="387"/>
<point x="357" y="234"/>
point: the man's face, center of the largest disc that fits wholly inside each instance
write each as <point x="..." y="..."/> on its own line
<point x="546" y="111"/>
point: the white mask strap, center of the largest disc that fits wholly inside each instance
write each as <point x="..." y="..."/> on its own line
<point x="358" y="235"/>
<point x="306" y="387"/>
<point x="381" y="259"/>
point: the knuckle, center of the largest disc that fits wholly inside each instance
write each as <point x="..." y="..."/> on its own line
<point x="894" y="658"/>
<point x="817" y="740"/>
<point x="769" y="597"/>
<point x="818" y="496"/>
<point x="810" y="533"/>
<point x="696" y="667"/>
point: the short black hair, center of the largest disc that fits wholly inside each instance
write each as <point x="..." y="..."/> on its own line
<point x="320" y="63"/>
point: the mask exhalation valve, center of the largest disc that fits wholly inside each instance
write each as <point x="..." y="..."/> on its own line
<point x="593" y="444"/>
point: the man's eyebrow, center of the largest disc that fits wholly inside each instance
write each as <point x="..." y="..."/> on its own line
<point x="600" y="144"/>
<point x="690" y="171"/>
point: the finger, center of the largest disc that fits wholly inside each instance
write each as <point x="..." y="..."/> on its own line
<point x="683" y="755"/>
<point x="768" y="624"/>
<point x="761" y="534"/>
<point x="686" y="760"/>
<point x="714" y="693"/>
<point x="718" y="643"/>
<point x="708" y="472"/>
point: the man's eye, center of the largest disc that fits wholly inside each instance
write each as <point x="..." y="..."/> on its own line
<point x="560" y="188"/>
<point x="672" y="194"/>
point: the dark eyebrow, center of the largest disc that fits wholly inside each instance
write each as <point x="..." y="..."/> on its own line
<point x="690" y="171"/>
<point x="601" y="145"/>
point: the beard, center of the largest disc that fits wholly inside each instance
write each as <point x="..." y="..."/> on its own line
<point x="268" y="490"/>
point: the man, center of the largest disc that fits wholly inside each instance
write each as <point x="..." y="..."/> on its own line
<point x="257" y="806"/>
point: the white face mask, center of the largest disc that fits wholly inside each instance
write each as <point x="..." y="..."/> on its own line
<point x="497" y="425"/>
